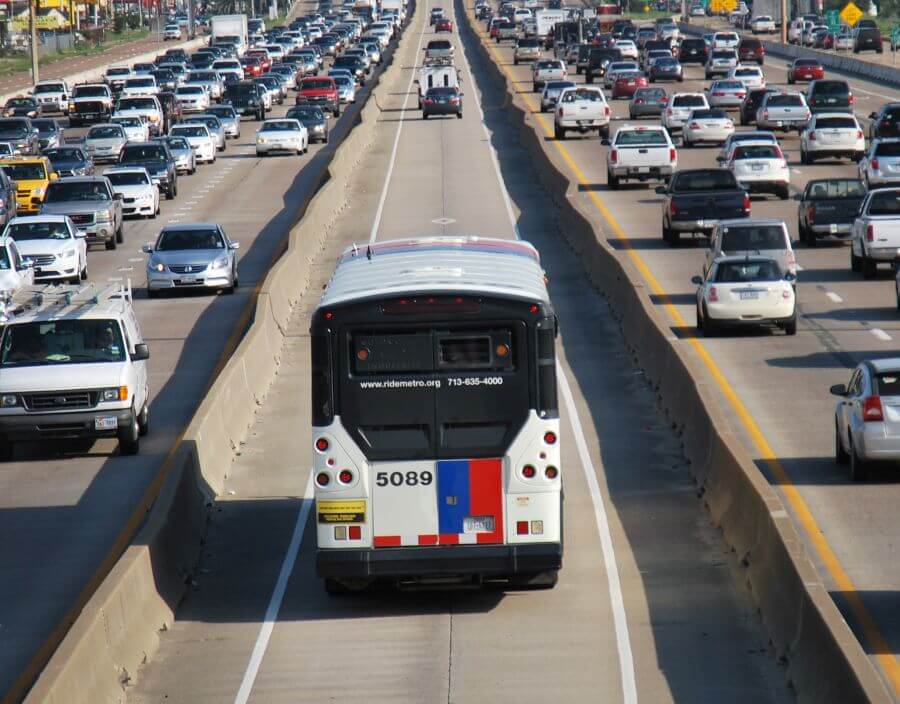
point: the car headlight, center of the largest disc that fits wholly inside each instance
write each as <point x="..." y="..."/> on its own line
<point x="261" y="140"/>
<point x="156" y="265"/>
<point x="9" y="400"/>
<point x="117" y="393"/>
<point x="38" y="192"/>
<point x="71" y="106"/>
<point x="105" y="216"/>
<point x="219" y="262"/>
<point x="68" y="254"/>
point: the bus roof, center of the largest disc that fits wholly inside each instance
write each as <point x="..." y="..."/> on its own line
<point x="473" y="265"/>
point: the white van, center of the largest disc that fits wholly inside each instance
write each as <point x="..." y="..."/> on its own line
<point x="73" y="365"/>
<point x="436" y="76"/>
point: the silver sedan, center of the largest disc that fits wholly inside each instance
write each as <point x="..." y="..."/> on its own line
<point x="728" y="94"/>
<point x="196" y="255"/>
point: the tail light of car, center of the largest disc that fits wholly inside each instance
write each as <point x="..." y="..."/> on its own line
<point x="562" y="112"/>
<point x="672" y="154"/>
<point x="673" y="208"/>
<point x="870" y="233"/>
<point x="811" y="214"/>
<point x="606" y="110"/>
<point x="874" y="163"/>
<point x="695" y="125"/>
<point x="746" y="203"/>
<point x="872" y="410"/>
<point x="614" y="156"/>
<point x="718" y="94"/>
<point x="859" y="134"/>
<point x="766" y="114"/>
<point x="812" y="136"/>
<point x="670" y="112"/>
<point x="638" y="101"/>
<point x="712" y="295"/>
<point x="851" y="99"/>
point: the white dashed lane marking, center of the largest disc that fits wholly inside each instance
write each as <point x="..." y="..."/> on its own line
<point x="834" y="297"/>
<point x="881" y="334"/>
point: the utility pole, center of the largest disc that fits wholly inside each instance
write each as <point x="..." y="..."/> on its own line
<point x="35" y="49"/>
<point x="784" y="21"/>
<point x="190" y="15"/>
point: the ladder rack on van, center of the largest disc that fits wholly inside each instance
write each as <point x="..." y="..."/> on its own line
<point x="52" y="298"/>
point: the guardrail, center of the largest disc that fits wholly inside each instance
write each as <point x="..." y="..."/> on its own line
<point x="118" y="629"/>
<point x="823" y="660"/>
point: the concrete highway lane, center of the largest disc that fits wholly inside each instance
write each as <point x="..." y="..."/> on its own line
<point x="62" y="505"/>
<point x="646" y="607"/>
<point x="776" y="388"/>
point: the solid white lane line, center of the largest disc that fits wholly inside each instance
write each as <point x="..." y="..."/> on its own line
<point x="376" y="222"/>
<point x="834" y="297"/>
<point x="275" y="601"/>
<point x="880" y="334"/>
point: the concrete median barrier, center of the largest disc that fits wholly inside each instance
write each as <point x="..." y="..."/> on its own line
<point x="822" y="658"/>
<point x="99" y="648"/>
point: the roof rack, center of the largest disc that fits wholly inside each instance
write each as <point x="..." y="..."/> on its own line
<point x="438" y="61"/>
<point x="53" y="298"/>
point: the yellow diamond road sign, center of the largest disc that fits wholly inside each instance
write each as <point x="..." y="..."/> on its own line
<point x="851" y="14"/>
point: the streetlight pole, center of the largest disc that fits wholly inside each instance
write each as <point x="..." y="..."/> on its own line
<point x="35" y="50"/>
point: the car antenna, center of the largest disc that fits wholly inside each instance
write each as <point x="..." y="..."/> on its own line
<point x="369" y="252"/>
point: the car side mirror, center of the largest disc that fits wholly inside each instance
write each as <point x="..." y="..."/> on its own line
<point x="720" y="159"/>
<point x="80" y="234"/>
<point x="118" y="196"/>
<point x="141" y="352"/>
<point x="838" y="390"/>
<point x="26" y="265"/>
<point x="234" y="245"/>
<point x="697" y="280"/>
<point x="661" y="190"/>
<point x="53" y="175"/>
<point x="873" y="115"/>
<point x="790" y="277"/>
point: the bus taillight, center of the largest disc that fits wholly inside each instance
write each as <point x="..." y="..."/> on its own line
<point x="323" y="479"/>
<point x="550" y="437"/>
<point x="551" y="472"/>
<point x="345" y="476"/>
<point x="528" y="471"/>
<point x="521" y="527"/>
<point x="321" y="444"/>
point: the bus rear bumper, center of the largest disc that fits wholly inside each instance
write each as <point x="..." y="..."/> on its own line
<point x="461" y="560"/>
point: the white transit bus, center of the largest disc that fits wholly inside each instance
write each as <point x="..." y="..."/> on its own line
<point x="435" y="423"/>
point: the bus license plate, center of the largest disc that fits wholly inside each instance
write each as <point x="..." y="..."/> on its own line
<point x="749" y="295"/>
<point x="478" y="524"/>
<point x="106" y="423"/>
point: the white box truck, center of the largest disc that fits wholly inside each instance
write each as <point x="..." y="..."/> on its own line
<point x="231" y="29"/>
<point x="545" y="19"/>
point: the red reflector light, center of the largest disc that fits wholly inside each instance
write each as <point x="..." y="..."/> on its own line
<point x="872" y="409"/>
<point x="321" y="444"/>
<point x="346" y="476"/>
<point x="874" y="163"/>
<point x="747" y="202"/>
<point x="528" y="471"/>
<point x="811" y="214"/>
<point x="870" y="233"/>
<point x="521" y="527"/>
<point x="550" y="437"/>
<point x="713" y="294"/>
<point x="613" y="156"/>
<point x="551" y="472"/>
<point x="354" y="532"/>
<point x="533" y="308"/>
<point x="672" y="154"/>
<point x="859" y="134"/>
<point x="323" y="479"/>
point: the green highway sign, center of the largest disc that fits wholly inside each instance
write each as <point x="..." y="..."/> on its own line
<point x="833" y="20"/>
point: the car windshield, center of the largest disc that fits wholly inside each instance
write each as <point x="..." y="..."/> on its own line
<point x="189" y="90"/>
<point x="835" y="188"/>
<point x="784" y="101"/>
<point x="25" y="172"/>
<point x="210" y="121"/>
<point x="708" y="115"/>
<point x="127" y="178"/>
<point x="105" y="132"/>
<point x="136" y="104"/>
<point x="279" y="126"/>
<point x="21" y="231"/>
<point x="308" y="114"/>
<point x="45" y="126"/>
<point x="887" y="149"/>
<point x="140" y="83"/>
<point x="178" y="143"/>
<point x="13" y="126"/>
<point x="91" y="92"/>
<point x="728" y="85"/>
<point x="707" y="180"/>
<point x="806" y="63"/>
<point x="885" y="203"/>
<point x="61" y="342"/>
<point x="757" y="151"/>
<point x="20" y="102"/>
<point x="118" y="72"/>
<point x="747" y="272"/>
<point x="642" y="138"/>
<point x="744" y="238"/>
<point x="190" y="131"/>
<point x="128" y="121"/>
<point x="688" y="101"/>
<point x="66" y="191"/>
<point x="548" y="64"/>
<point x="176" y="240"/>
<point x="65" y="154"/>
<point x="221" y="111"/>
<point x="144" y="153"/>
<point x="723" y="55"/>
<point x="49" y="88"/>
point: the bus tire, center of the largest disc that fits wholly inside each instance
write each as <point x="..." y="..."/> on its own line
<point x="535" y="580"/>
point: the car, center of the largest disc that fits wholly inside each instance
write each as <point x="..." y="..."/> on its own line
<point x="826" y="95"/>
<point x="505" y="31"/>
<point x="191" y="256"/>
<point x="546" y="71"/>
<point x="680" y="107"/>
<point x="49" y="132"/>
<point x="696" y="199"/>
<point x="666" y="69"/>
<point x="140" y="196"/>
<point x="885" y="122"/>
<point x="828" y="207"/>
<point x="697" y="11"/>
<point x="282" y="135"/>
<point x="640" y="154"/>
<point x="751" y="50"/>
<point x="105" y="142"/>
<point x="864" y="417"/>
<point x="720" y="62"/>
<point x="550" y="93"/>
<point x="752" y="236"/>
<point x="526" y="49"/>
<point x="581" y="109"/>
<point x="172" y="31"/>
<point x="157" y="160"/>
<point x="181" y="152"/>
<point x="53" y="246"/>
<point x="442" y="101"/>
<point x="346" y="89"/>
<point x="247" y="98"/>
<point x="760" y="167"/>
<point x="627" y="48"/>
<point x="314" y="119"/>
<point x="762" y="24"/>
<point x="875" y="233"/>
<point x="53" y="95"/>
<point x="321" y="91"/>
<point x="783" y="111"/>
<point x="693" y="51"/>
<point x="436" y="14"/>
<point x="69" y="161"/>
<point x="867" y="39"/>
<point x="614" y="68"/>
<point x="136" y="129"/>
<point x="832" y="135"/>
<point x="729" y="144"/>
<point x="228" y="117"/>
<point x="805" y="70"/>
<point x="647" y="102"/>
<point x="647" y="57"/>
<point x="22" y="107"/>
<point x="20" y="134"/>
<point x="752" y="77"/>
<point x="147" y="108"/>
<point x="32" y="175"/>
<point x="727" y="94"/>
<point x="192" y="98"/>
<point x="273" y="86"/>
<point x="215" y="128"/>
<point x="166" y="80"/>
<point x="209" y="80"/>
<point x="202" y="141"/>
<point x="115" y="77"/>
<point x="710" y="126"/>
<point x="444" y="24"/>
<point x="91" y="204"/>
<point x="745" y="291"/>
<point x="881" y="164"/>
<point x="843" y="40"/>
<point x="137" y="86"/>
<point x="627" y="82"/>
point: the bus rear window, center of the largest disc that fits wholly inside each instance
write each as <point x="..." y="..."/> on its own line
<point x="426" y="352"/>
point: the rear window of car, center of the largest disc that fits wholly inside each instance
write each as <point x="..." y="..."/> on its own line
<point x="757" y="151"/>
<point x="707" y="180"/>
<point x="836" y="123"/>
<point x="891" y="115"/>
<point x="784" y="101"/>
<point x="641" y="138"/>
<point x="729" y="85"/>
<point x="806" y="62"/>
<point x="750" y="43"/>
<point x="526" y="43"/>
<point x="747" y="272"/>
<point x="743" y="238"/>
<point x="835" y="188"/>
<point x="708" y="115"/>
<point x="693" y="44"/>
<point x="688" y="101"/>
<point x="887" y="149"/>
<point x="885" y="203"/>
<point x="831" y="88"/>
<point x="723" y="54"/>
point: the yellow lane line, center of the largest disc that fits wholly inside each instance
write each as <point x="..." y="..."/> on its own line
<point x="876" y="639"/>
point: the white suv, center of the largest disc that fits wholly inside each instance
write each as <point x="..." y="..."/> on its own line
<point x="73" y="365"/>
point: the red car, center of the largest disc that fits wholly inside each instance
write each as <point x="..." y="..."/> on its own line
<point x="627" y="83"/>
<point x="805" y="70"/>
<point x="443" y="25"/>
<point x="495" y="27"/>
<point x="321" y="91"/>
<point x="252" y="67"/>
<point x="751" y="50"/>
<point x="263" y="57"/>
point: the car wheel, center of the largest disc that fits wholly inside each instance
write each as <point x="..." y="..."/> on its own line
<point x="612" y="181"/>
<point x="171" y="192"/>
<point x="84" y="271"/>
<point x="709" y="327"/>
<point x="784" y="192"/>
<point x="588" y="78"/>
<point x="855" y="262"/>
<point x="869" y="267"/>
<point x="120" y="235"/>
<point x="859" y="469"/>
<point x="144" y="421"/>
<point x="130" y="437"/>
<point x="840" y="454"/>
<point x="804" y="157"/>
<point x="559" y="132"/>
<point x="110" y="243"/>
<point x="790" y="327"/>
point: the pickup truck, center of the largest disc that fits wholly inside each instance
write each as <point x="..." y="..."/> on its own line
<point x="598" y="61"/>
<point x="640" y="153"/>
<point x="875" y="234"/>
<point x="783" y="111"/>
<point x="828" y="206"/>
<point x="506" y="31"/>
<point x="526" y="50"/>
<point x="91" y="204"/>
<point x="696" y="199"/>
<point x="91" y="102"/>
<point x="583" y="109"/>
<point x="439" y="49"/>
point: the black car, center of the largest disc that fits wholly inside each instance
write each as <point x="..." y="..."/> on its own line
<point x="829" y="96"/>
<point x="159" y="162"/>
<point x="696" y="199"/>
<point x="22" y="107"/>
<point x="21" y="134"/>
<point x="442" y="101"/>
<point x="165" y="79"/>
<point x="70" y="161"/>
<point x="867" y="39"/>
<point x="752" y="102"/>
<point x="353" y="64"/>
<point x="828" y="208"/>
<point x="885" y="122"/>
<point x="313" y="119"/>
<point x="598" y="61"/>
<point x="246" y="97"/>
<point x="693" y="51"/>
<point x="171" y="109"/>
